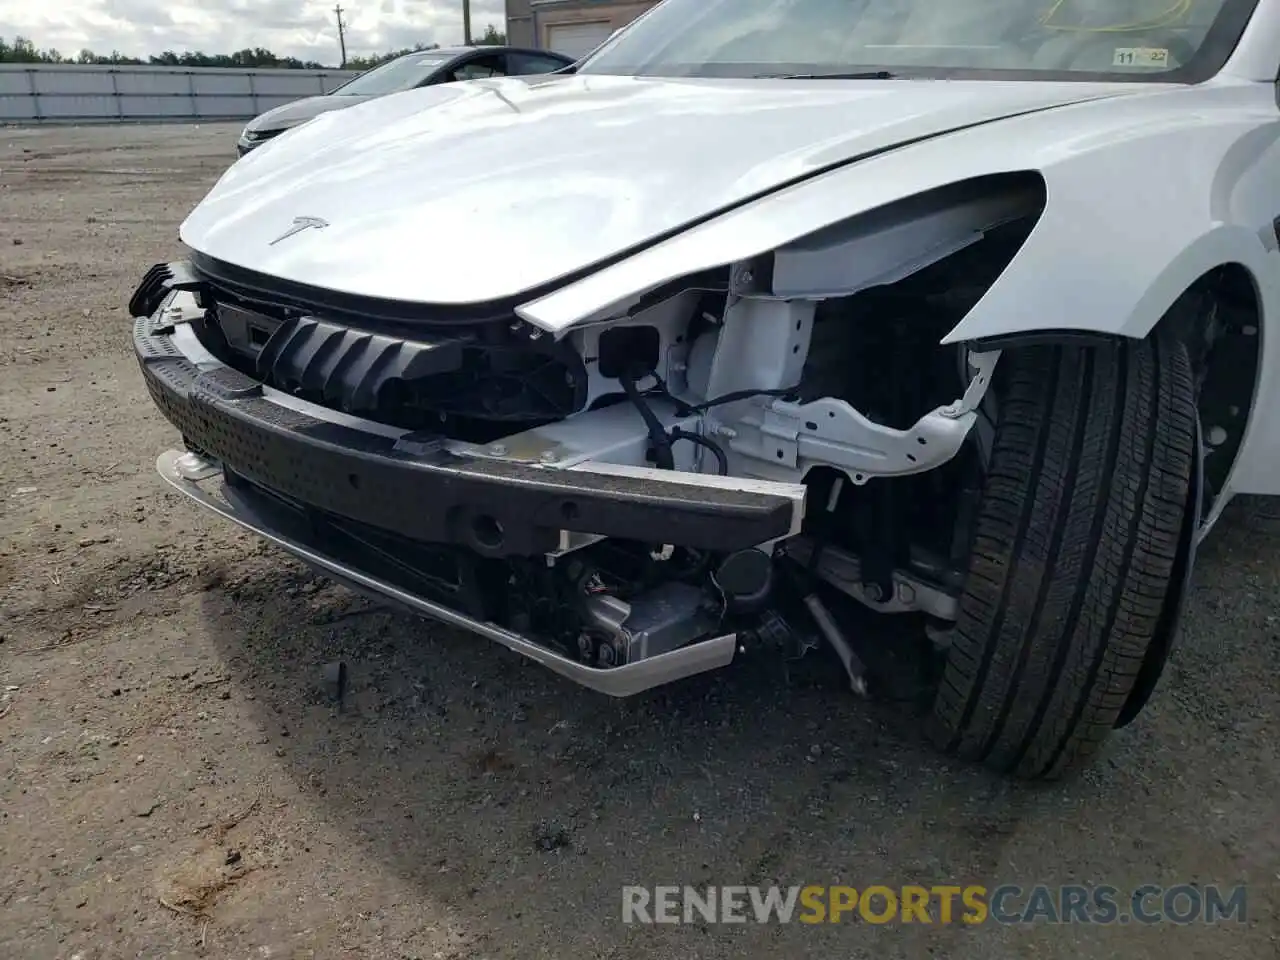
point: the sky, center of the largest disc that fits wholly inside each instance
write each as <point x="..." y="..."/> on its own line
<point x="305" y="29"/>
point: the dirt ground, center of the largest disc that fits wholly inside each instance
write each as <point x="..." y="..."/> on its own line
<point x="173" y="783"/>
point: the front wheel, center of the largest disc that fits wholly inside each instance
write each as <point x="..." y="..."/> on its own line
<point x="1076" y="545"/>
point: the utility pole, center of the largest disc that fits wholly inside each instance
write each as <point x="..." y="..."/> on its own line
<point x="466" y="23"/>
<point x="342" y="36"/>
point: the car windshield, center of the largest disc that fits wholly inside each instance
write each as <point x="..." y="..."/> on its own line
<point x="403" y="73"/>
<point x="1125" y="39"/>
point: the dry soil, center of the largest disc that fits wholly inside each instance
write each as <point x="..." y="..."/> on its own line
<point x="173" y="782"/>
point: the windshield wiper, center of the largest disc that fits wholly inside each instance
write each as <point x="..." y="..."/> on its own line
<point x="863" y="75"/>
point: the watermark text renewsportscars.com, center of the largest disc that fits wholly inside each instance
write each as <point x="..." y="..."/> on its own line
<point x="937" y="904"/>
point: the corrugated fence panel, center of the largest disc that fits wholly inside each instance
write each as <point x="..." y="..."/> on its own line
<point x="62" y="93"/>
<point x="16" y="108"/>
<point x="225" y="83"/>
<point x="69" y="106"/>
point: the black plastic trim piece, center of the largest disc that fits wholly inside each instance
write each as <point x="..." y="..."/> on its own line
<point x="259" y="289"/>
<point x="1040" y="338"/>
<point x="324" y="533"/>
<point x="157" y="283"/>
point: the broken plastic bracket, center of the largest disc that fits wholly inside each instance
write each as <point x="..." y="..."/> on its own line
<point x="983" y="365"/>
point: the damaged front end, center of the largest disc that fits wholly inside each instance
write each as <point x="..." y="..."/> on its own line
<point x="629" y="498"/>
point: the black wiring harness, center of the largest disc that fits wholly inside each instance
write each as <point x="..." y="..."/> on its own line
<point x="660" y="439"/>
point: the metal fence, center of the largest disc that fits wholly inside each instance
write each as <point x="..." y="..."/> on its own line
<point x="74" y="93"/>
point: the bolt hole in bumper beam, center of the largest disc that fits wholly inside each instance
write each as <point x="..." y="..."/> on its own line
<point x="189" y="474"/>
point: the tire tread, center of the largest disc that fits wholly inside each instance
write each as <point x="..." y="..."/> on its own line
<point x="1076" y="541"/>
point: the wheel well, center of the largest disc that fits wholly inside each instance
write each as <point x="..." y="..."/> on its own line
<point x="1219" y="320"/>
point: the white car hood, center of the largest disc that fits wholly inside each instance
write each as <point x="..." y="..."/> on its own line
<point x="478" y="191"/>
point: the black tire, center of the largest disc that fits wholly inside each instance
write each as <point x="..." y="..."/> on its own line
<point x="1076" y="542"/>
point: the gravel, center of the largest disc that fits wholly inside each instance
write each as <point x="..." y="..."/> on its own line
<point x="174" y="781"/>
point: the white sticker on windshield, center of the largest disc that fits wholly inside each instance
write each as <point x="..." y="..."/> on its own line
<point x="1140" y="57"/>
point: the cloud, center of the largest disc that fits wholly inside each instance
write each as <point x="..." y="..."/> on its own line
<point x="305" y="29"/>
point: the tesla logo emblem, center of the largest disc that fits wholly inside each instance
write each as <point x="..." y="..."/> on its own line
<point x="300" y="224"/>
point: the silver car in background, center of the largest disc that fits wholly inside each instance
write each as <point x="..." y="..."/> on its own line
<point x="419" y="69"/>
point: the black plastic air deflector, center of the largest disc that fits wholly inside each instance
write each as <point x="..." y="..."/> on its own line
<point x="158" y="282"/>
<point x="348" y="368"/>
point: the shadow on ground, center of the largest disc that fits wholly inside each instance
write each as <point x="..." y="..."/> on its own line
<point x="526" y="803"/>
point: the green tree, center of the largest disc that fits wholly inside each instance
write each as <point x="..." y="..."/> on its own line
<point x="492" y="37"/>
<point x="22" y="50"/>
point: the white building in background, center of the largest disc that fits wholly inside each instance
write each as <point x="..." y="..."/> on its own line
<point x="571" y="27"/>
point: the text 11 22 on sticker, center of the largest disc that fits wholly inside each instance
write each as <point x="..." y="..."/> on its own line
<point x="1140" y="57"/>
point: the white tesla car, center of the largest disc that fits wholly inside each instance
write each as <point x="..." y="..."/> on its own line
<point x="774" y="310"/>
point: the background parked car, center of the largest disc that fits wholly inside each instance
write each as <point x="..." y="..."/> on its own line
<point x="419" y="69"/>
